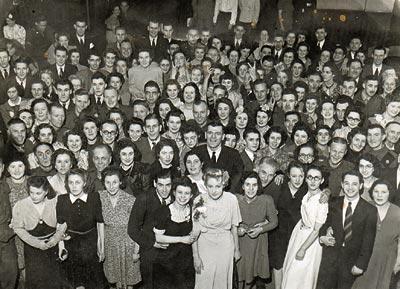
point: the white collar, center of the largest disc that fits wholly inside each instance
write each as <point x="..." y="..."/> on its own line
<point x="353" y="202"/>
<point x="13" y="104"/>
<point x="217" y="152"/>
<point x="83" y="198"/>
<point x="60" y="66"/>
<point x="250" y="154"/>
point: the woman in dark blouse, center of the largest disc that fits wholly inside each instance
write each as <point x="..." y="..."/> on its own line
<point x="134" y="172"/>
<point x="173" y="268"/>
<point x="81" y="212"/>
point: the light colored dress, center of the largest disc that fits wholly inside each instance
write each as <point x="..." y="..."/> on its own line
<point x="312" y="211"/>
<point x="119" y="249"/>
<point x="215" y="243"/>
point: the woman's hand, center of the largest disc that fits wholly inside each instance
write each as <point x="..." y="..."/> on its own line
<point x="42" y="245"/>
<point x="198" y="264"/>
<point x="187" y="239"/>
<point x="51" y="242"/>
<point x="254" y="232"/>
<point x="300" y="254"/>
<point x="241" y="231"/>
<point x="62" y="252"/>
<point x="237" y="255"/>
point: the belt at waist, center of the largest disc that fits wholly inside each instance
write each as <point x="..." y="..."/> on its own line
<point x="79" y="232"/>
<point x="216" y="232"/>
<point x="46" y="236"/>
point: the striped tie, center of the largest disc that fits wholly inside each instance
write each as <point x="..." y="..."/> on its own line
<point x="348" y="223"/>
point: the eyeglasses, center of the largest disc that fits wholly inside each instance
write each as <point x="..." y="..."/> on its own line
<point x="308" y="156"/>
<point x="109" y="133"/>
<point x="369" y="167"/>
<point x="353" y="119"/>
<point x="316" y="178"/>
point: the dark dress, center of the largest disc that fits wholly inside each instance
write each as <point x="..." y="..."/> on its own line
<point x="288" y="215"/>
<point x="82" y="267"/>
<point x="136" y="179"/>
<point x="173" y="268"/>
<point x="42" y="265"/>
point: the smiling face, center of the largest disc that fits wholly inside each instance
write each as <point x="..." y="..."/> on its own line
<point x="183" y="195"/>
<point x="314" y="179"/>
<point x="214" y="135"/>
<point x="127" y="156"/>
<point x="250" y="188"/>
<point x="351" y="186"/>
<point x="74" y="143"/>
<point x="296" y="177"/>
<point x="16" y="169"/>
<point x="193" y="165"/>
<point x="112" y="184"/>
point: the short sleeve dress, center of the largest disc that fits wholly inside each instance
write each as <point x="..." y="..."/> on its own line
<point x="82" y="267"/>
<point x="117" y="244"/>
<point x="173" y="268"/>
<point x="215" y="242"/>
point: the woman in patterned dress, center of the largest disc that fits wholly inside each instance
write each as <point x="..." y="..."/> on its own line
<point x="118" y="246"/>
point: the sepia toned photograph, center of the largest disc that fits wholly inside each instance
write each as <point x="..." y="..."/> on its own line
<point x="199" y="144"/>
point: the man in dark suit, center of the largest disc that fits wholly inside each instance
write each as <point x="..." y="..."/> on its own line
<point x="142" y="221"/>
<point x="5" y="67"/>
<point x="61" y="69"/>
<point x="83" y="43"/>
<point x="214" y="153"/>
<point x="24" y="81"/>
<point x="146" y="145"/>
<point x="348" y="236"/>
<point x="252" y="139"/>
<point x="277" y="53"/>
<point x="154" y="42"/>
<point x="320" y="43"/>
<point x="377" y="67"/>
<point x="6" y="72"/>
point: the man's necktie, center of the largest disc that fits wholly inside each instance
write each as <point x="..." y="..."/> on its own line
<point x="376" y="73"/>
<point x="348" y="223"/>
<point x="5" y="73"/>
<point x="81" y="42"/>
<point x="153" y="43"/>
<point x="164" y="202"/>
<point x="319" y="44"/>
<point x="214" y="158"/>
<point x="60" y="72"/>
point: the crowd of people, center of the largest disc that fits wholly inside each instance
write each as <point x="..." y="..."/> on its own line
<point x="228" y="159"/>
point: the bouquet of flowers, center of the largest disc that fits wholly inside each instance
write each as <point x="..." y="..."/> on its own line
<point x="199" y="209"/>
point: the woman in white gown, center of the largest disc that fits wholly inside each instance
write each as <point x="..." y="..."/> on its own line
<point x="303" y="257"/>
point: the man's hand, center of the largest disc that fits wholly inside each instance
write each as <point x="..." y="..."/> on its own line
<point x="160" y="245"/>
<point x="355" y="271"/>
